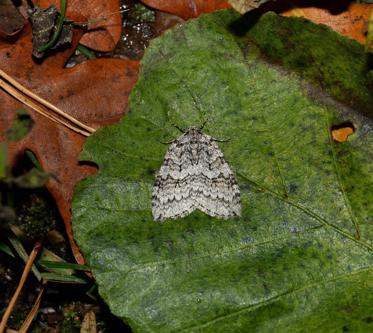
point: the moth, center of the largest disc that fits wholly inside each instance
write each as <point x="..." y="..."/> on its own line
<point x="195" y="175"/>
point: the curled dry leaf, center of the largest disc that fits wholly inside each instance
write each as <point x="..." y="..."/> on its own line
<point x="95" y="92"/>
<point x="104" y="20"/>
<point x="11" y="21"/>
<point x="243" y="6"/>
<point x="89" y="323"/>
<point x="187" y="8"/>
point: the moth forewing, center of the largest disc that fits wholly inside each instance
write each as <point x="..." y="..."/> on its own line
<point x="195" y="175"/>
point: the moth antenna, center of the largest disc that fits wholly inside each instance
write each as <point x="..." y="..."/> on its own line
<point x="167" y="142"/>
<point x="222" y="140"/>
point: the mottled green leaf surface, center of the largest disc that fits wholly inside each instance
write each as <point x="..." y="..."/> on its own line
<point x="336" y="63"/>
<point x="300" y="257"/>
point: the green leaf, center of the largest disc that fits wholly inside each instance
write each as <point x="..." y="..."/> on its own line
<point x="3" y="157"/>
<point x="33" y="178"/>
<point x="50" y="257"/>
<point x="62" y="278"/>
<point x="338" y="64"/>
<point x="20" y="127"/>
<point x="369" y="45"/>
<point x="51" y="262"/>
<point x="6" y="249"/>
<point x="300" y="257"/>
<point x="33" y="159"/>
<point x="62" y="265"/>
<point x="18" y="247"/>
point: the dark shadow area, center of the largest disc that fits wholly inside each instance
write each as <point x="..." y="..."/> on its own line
<point x="92" y="166"/>
<point x="241" y="26"/>
<point x="63" y="306"/>
<point x="246" y="21"/>
<point x="17" y="3"/>
<point x="345" y="124"/>
<point x="334" y="7"/>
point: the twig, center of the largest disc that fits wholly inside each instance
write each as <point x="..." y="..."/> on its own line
<point x="57" y="33"/>
<point x="31" y="315"/>
<point x="26" y="270"/>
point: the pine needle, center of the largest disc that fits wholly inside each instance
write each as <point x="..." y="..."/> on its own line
<point x="40" y="105"/>
<point x="26" y="271"/>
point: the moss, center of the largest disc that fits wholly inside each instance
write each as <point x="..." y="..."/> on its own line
<point x="338" y="64"/>
<point x="18" y="316"/>
<point x="140" y="14"/>
<point x="71" y="322"/>
<point x="36" y="216"/>
<point x="20" y="126"/>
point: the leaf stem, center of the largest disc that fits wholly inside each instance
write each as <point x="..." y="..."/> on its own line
<point x="58" y="31"/>
<point x="86" y="52"/>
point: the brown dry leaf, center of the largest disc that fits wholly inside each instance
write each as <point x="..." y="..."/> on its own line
<point x="95" y="92"/>
<point x="164" y="21"/>
<point x="89" y="323"/>
<point x="187" y="8"/>
<point x="243" y="6"/>
<point x="106" y="27"/>
<point x="11" y="21"/>
<point x="351" y="22"/>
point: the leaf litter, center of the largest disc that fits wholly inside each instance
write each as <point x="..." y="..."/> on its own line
<point x="183" y="14"/>
<point x="95" y="92"/>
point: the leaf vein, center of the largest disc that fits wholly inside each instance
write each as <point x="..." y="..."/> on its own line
<point x="339" y="180"/>
<point x="273" y="299"/>
<point x="307" y="211"/>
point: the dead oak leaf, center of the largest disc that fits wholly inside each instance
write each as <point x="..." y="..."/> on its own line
<point x="11" y="21"/>
<point x="187" y="8"/>
<point x="106" y="24"/>
<point x="95" y="92"/>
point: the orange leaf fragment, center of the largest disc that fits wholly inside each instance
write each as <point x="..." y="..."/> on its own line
<point x="342" y="134"/>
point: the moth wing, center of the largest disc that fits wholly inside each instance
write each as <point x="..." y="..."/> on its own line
<point x="195" y="175"/>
